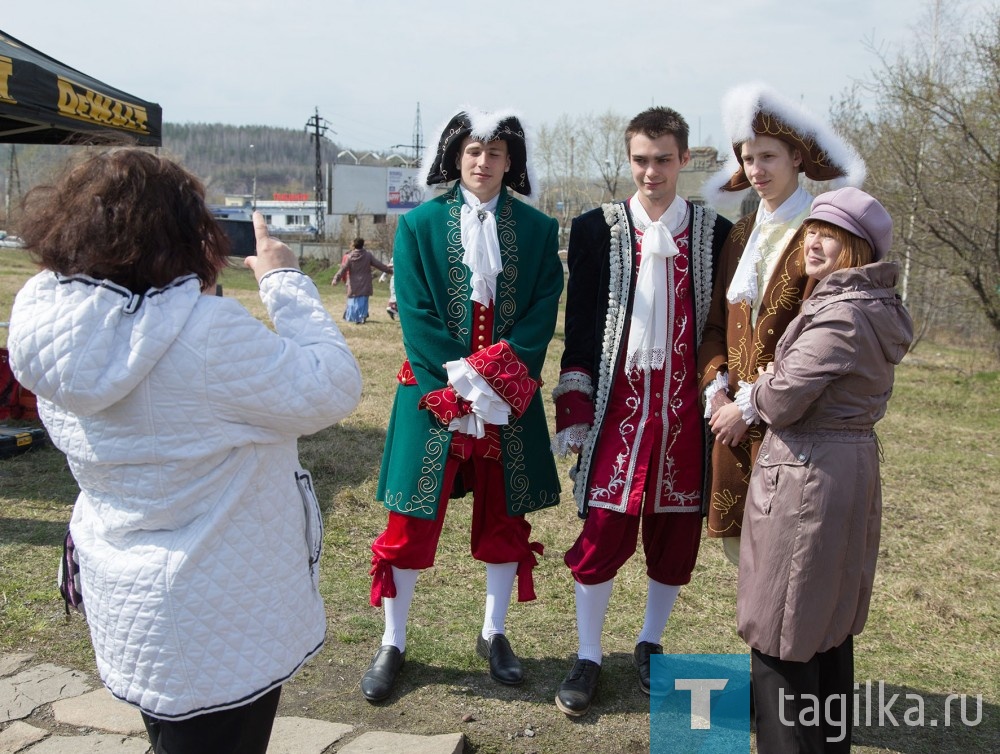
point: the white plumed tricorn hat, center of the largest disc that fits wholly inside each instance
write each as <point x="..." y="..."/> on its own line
<point x="754" y="109"/>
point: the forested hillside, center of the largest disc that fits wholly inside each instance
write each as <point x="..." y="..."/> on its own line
<point x="284" y="159"/>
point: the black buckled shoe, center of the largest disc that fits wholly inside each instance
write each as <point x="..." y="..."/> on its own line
<point x="504" y="665"/>
<point x="378" y="680"/>
<point x="577" y="691"/>
<point x="641" y="655"/>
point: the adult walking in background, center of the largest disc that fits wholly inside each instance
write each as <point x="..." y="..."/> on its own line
<point x="356" y="271"/>
<point x="814" y="507"/>
<point x="760" y="281"/>
<point x="477" y="309"/>
<point x="179" y="414"/>
<point x="640" y="283"/>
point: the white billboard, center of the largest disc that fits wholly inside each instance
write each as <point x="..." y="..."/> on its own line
<point x="368" y="190"/>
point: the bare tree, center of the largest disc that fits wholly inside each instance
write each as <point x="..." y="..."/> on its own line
<point x="933" y="151"/>
<point x="602" y="138"/>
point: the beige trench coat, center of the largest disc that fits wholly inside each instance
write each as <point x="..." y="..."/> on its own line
<point x="813" y="515"/>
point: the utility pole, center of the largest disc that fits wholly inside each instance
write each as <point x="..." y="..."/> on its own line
<point x="319" y="128"/>
<point x="418" y="139"/>
<point x="253" y="195"/>
<point x="13" y="183"/>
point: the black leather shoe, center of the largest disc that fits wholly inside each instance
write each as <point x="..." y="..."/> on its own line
<point x="504" y="665"/>
<point x="577" y="691"/>
<point x="378" y="680"/>
<point x="641" y="655"/>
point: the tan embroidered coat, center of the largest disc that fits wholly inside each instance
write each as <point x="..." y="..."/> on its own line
<point x="732" y="343"/>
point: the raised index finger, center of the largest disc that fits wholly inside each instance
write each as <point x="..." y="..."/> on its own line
<point x="259" y="227"/>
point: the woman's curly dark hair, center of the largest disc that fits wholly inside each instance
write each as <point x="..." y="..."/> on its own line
<point x="125" y="215"/>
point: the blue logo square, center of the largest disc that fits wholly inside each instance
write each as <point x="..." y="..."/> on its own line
<point x="699" y="703"/>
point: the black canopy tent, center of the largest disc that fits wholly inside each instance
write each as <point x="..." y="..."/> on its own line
<point x="43" y="101"/>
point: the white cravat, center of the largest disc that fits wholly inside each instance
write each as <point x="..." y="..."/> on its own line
<point x="481" y="245"/>
<point x="769" y="229"/>
<point x="647" y="337"/>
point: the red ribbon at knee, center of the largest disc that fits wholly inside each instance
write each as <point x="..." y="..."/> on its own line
<point x="525" y="575"/>
<point x="383" y="584"/>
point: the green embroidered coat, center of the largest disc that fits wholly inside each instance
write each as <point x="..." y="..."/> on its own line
<point x="435" y="312"/>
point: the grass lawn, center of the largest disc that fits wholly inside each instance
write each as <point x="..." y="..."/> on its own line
<point x="934" y="628"/>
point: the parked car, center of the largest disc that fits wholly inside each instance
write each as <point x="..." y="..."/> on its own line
<point x="10" y="242"/>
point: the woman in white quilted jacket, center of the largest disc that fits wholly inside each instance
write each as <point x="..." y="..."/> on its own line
<point x="198" y="533"/>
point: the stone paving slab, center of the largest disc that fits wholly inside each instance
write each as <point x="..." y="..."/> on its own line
<point x="24" y="692"/>
<point x="10" y="664"/>
<point x="109" y="726"/>
<point x="385" y="743"/>
<point x="18" y="736"/>
<point x="93" y="743"/>
<point x="99" y="709"/>
<point x="300" y="735"/>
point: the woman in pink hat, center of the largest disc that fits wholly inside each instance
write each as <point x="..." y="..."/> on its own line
<point x="814" y="507"/>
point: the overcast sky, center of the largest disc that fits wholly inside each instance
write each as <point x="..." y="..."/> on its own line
<point x="367" y="63"/>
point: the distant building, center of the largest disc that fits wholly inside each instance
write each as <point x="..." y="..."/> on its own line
<point x="283" y="213"/>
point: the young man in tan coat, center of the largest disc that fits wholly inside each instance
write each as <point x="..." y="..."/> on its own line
<point x="759" y="281"/>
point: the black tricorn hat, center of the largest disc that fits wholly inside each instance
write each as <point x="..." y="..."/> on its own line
<point x="440" y="162"/>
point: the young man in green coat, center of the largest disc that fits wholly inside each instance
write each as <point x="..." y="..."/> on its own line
<point x="482" y="280"/>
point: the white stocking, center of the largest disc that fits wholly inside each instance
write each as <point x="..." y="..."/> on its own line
<point x="659" y="603"/>
<point x="397" y="609"/>
<point x="499" y="587"/>
<point x="591" y="608"/>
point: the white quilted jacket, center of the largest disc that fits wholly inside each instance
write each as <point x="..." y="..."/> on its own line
<point x="178" y="413"/>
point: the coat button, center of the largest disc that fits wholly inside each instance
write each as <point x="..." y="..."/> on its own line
<point x="766" y="456"/>
<point x="802" y="456"/>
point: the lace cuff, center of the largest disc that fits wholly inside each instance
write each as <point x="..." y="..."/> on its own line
<point x="742" y="399"/>
<point x="721" y="382"/>
<point x="569" y="437"/>
<point x="486" y="404"/>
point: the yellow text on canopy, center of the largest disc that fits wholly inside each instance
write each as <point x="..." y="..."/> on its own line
<point x="6" y="71"/>
<point x="83" y="104"/>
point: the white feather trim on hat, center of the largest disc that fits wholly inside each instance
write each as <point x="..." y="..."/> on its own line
<point x="484" y="124"/>
<point x="740" y="106"/>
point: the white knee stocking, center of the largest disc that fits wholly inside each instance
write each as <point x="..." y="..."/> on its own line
<point x="397" y="609"/>
<point x="499" y="587"/>
<point x="659" y="603"/>
<point x="591" y="608"/>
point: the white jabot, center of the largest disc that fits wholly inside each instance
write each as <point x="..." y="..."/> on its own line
<point x="482" y="246"/>
<point x="647" y="337"/>
<point x="772" y="230"/>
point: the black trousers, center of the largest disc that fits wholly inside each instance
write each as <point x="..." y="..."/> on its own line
<point x="242" y="730"/>
<point x="804" y="707"/>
